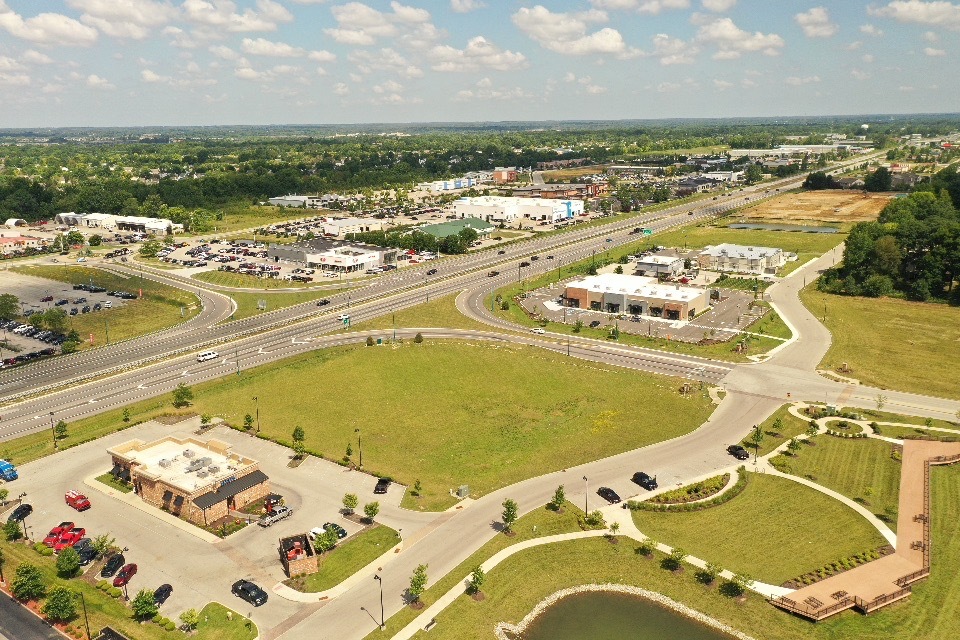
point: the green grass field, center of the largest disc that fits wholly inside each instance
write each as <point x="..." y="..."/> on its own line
<point x="349" y="557"/>
<point x="892" y="344"/>
<point x="244" y="281"/>
<point x="243" y="215"/>
<point x="159" y="308"/>
<point x="247" y="302"/>
<point x="701" y="236"/>
<point x="792" y="426"/>
<point x="438" y="313"/>
<point x="515" y="587"/>
<point x="861" y="469"/>
<point x="773" y="531"/>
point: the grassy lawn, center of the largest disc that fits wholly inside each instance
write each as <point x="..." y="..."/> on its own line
<point x="214" y="624"/>
<point x="515" y="587"/>
<point x="111" y="481"/>
<point x="894" y="344"/>
<point x="243" y="215"/>
<point x="244" y="281"/>
<point x="707" y="234"/>
<point x="773" y="531"/>
<point x="887" y="416"/>
<point x="159" y="308"/>
<point x="349" y="557"/>
<point x="918" y="431"/>
<point x="860" y="469"/>
<point x="538" y="523"/>
<point x="792" y="426"/>
<point x="247" y="302"/>
<point x="439" y="312"/>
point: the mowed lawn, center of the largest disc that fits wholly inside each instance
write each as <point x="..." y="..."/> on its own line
<point x="791" y="426"/>
<point x="438" y="313"/>
<point x="517" y="585"/>
<point x="795" y="241"/>
<point x="245" y="281"/>
<point x="893" y="344"/>
<point x="159" y="308"/>
<point x="350" y="556"/>
<point x="452" y="413"/>
<point x="775" y="530"/>
<point x="861" y="469"/>
<point x="247" y="302"/>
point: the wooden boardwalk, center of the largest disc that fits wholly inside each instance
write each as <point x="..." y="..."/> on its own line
<point x="878" y="583"/>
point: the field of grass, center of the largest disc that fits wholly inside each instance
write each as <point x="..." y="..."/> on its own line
<point x="563" y="175"/>
<point x="439" y="312"/>
<point x="792" y="426"/>
<point x="861" y="469"/>
<point x="247" y="302"/>
<point x="349" y="557"/>
<point x="515" y="587"/>
<point x="159" y="308"/>
<point x="106" y="611"/>
<point x="773" y="531"/>
<point x="242" y="215"/>
<point x="918" y="431"/>
<point x="707" y="234"/>
<point x="244" y="281"/>
<point x="892" y="344"/>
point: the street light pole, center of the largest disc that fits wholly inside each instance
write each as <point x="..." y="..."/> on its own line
<point x="359" y="446"/>
<point x="383" y="621"/>
<point x="257" y="400"/>
<point x="586" y="495"/>
<point x="53" y="432"/>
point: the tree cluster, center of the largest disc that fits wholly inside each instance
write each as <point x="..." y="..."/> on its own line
<point x="417" y="240"/>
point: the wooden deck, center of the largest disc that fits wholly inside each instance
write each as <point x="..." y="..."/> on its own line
<point x="881" y="582"/>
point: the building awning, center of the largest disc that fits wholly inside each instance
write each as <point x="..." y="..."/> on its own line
<point x="178" y="501"/>
<point x="167" y="495"/>
<point x="210" y="498"/>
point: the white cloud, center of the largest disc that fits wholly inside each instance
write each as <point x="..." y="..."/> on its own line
<point x="673" y="50"/>
<point x="668" y="87"/>
<point x="124" y="18"/>
<point x="9" y="64"/>
<point x="361" y="25"/>
<point x="96" y="82"/>
<point x="14" y="79"/>
<point x="934" y="53"/>
<point x="871" y="30"/>
<point x="384" y="59"/>
<point x="938" y="13"/>
<point x="222" y="14"/>
<point x="816" y="23"/>
<point x="718" y="6"/>
<point x="224" y="52"/>
<point x="859" y="74"/>
<point x="568" y="32"/>
<point x="853" y="46"/>
<point x="905" y="88"/>
<point x="796" y="81"/>
<point x="390" y="86"/>
<point x="479" y="53"/>
<point x="408" y="14"/>
<point x="721" y="85"/>
<point x="651" y="7"/>
<point x="341" y="89"/>
<point x="46" y="28"/>
<point x="466" y="6"/>
<point x="732" y="41"/>
<point x="868" y="58"/>
<point x="486" y="91"/>
<point x="262" y="47"/>
<point x="35" y="57"/>
<point x="931" y="36"/>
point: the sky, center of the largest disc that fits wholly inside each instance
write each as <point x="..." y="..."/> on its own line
<point x="209" y="62"/>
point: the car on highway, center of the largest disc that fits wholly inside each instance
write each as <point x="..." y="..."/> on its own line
<point x="113" y="565"/>
<point x="524" y="264"/>
<point x="322" y="302"/>
<point x="738" y="452"/>
<point x="20" y="513"/>
<point x="161" y="594"/>
<point x="550" y="257"/>
<point x="609" y="495"/>
<point x="431" y="272"/>
<point x="493" y="274"/>
<point x="249" y="592"/>
<point x="54" y="536"/>
<point x="534" y="257"/>
<point x="538" y="331"/>
<point x="501" y="252"/>
<point x="382" y="485"/>
<point x="343" y="316"/>
<point x="126" y="573"/>
<point x="644" y="480"/>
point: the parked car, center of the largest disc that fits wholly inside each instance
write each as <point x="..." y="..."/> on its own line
<point x="69" y="538"/>
<point x="645" y="481"/>
<point x="46" y="299"/>
<point x="249" y="592"/>
<point x="86" y="551"/>
<point x="382" y="485"/>
<point x="738" y="452"/>
<point x="275" y="516"/>
<point x="20" y="513"/>
<point x="62" y="302"/>
<point x="341" y="532"/>
<point x="113" y="565"/>
<point x="54" y="536"/>
<point x="162" y="593"/>
<point x="608" y="494"/>
<point x="126" y="573"/>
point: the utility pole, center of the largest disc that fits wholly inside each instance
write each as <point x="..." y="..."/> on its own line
<point x="53" y="432"/>
<point x="586" y="495"/>
<point x="359" y="446"/>
<point x="257" y="400"/>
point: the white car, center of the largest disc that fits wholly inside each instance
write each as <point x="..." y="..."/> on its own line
<point x="343" y="316"/>
<point x="538" y="331"/>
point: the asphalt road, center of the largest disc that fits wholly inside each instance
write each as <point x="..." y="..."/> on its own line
<point x="19" y="623"/>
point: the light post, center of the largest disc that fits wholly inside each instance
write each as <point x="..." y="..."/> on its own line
<point x="86" y="620"/>
<point x="586" y="496"/>
<point x="359" y="446"/>
<point x="53" y="432"/>
<point x="382" y="619"/>
<point x="257" y="400"/>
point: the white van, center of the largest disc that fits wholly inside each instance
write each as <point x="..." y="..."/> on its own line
<point x="207" y="355"/>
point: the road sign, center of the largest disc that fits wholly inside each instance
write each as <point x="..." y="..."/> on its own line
<point x="648" y="232"/>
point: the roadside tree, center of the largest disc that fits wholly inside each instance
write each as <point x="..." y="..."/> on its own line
<point x="559" y="496"/>
<point x="350" y="502"/>
<point x="190" y="619"/>
<point x="418" y="583"/>
<point x="509" y="516"/>
<point x="477" y="578"/>
<point x="143" y="605"/>
<point x="326" y="540"/>
<point x="182" y="395"/>
<point x="68" y="562"/>
<point x="60" y="430"/>
<point x="60" y="604"/>
<point x="28" y="583"/>
<point x="371" y="509"/>
<point x="11" y="530"/>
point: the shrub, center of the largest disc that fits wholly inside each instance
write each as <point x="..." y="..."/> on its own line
<point x="730" y="494"/>
<point x="114" y="592"/>
<point x="169" y="625"/>
<point x="646" y="547"/>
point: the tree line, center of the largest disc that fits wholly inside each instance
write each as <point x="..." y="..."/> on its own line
<point x="417" y="240"/>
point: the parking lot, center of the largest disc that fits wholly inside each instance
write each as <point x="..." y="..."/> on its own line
<point x="173" y="551"/>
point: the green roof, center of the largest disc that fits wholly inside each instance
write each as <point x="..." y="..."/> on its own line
<point x="453" y="227"/>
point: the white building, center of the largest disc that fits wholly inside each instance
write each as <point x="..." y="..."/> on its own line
<point x="740" y="259"/>
<point x="339" y="227"/>
<point x="653" y="266"/>
<point x="110" y="222"/>
<point x="506" y="210"/>
<point x="347" y="259"/>
<point x="313" y="202"/>
<point x="724" y="176"/>
<point x="636" y="295"/>
<point x="437" y="186"/>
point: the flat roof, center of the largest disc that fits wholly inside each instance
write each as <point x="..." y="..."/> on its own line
<point x="664" y="260"/>
<point x="740" y="251"/>
<point x="638" y="286"/>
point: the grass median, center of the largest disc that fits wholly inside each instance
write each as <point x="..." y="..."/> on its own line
<point x="347" y="558"/>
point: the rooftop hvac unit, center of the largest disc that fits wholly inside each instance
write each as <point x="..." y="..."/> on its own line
<point x="213" y="469"/>
<point x="164" y="463"/>
<point x="205" y="461"/>
<point x="202" y="474"/>
<point x="188" y="453"/>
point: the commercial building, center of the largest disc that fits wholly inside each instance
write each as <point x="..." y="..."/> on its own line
<point x="333" y="255"/>
<point x="339" y="227"/>
<point x="110" y="222"/>
<point x="507" y="210"/>
<point x="562" y="191"/>
<point x="18" y="244"/>
<point x="635" y="295"/>
<point x="437" y="186"/>
<point x="313" y="202"/>
<point x="453" y="227"/>
<point x="724" y="176"/>
<point x="655" y="266"/>
<point x="196" y="480"/>
<point x="503" y="175"/>
<point x="737" y="258"/>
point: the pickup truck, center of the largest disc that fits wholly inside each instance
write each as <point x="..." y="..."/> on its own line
<point x="277" y="515"/>
<point x="77" y="500"/>
<point x="7" y="471"/>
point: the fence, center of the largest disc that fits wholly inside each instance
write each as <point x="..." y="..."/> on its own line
<point x="815" y="614"/>
<point x="879" y="601"/>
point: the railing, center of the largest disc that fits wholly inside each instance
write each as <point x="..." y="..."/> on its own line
<point x="879" y="601"/>
<point x="913" y="577"/>
<point x="809" y="612"/>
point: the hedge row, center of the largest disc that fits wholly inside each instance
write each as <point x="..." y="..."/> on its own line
<point x="724" y="497"/>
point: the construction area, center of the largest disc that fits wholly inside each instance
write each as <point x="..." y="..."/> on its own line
<point x="827" y="206"/>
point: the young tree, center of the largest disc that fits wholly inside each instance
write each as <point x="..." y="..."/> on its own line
<point x="709" y="573"/>
<point x="182" y="395"/>
<point x="418" y="582"/>
<point x="144" y="605"/>
<point x="813" y="429"/>
<point x="793" y="446"/>
<point x="299" y="450"/>
<point x="777" y="426"/>
<point x="577" y="326"/>
<point x="558" y="499"/>
<point x="68" y="562"/>
<point x="756" y="437"/>
<point x="248" y="422"/>
<point x="509" y="516"/>
<point x="126" y="414"/>
<point x="371" y="509"/>
<point x="674" y="561"/>
<point x="60" y="604"/>
<point x="350" y="502"/>
<point x="417" y="488"/>
<point x="205" y="418"/>
<point x="298" y="434"/>
<point x="28" y="583"/>
<point x="9" y="306"/>
<point x="326" y="540"/>
<point x="477" y="578"/>
<point x="614" y="528"/>
<point x="11" y="530"/>
<point x="60" y="430"/>
<point x="418" y="338"/>
<point x="94" y="240"/>
<point x="880" y="401"/>
<point x="102" y="543"/>
<point x="190" y="619"/>
<point x="4" y="492"/>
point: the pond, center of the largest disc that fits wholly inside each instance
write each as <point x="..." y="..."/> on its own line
<point x="783" y="227"/>
<point x="603" y="615"/>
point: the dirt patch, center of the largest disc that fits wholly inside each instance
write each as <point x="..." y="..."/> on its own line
<point x="836" y="206"/>
<point x="175" y="418"/>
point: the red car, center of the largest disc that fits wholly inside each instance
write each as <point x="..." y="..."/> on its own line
<point x="54" y="536"/>
<point x="69" y="538"/>
<point x="127" y="572"/>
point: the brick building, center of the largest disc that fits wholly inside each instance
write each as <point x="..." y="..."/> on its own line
<point x="297" y="555"/>
<point x="196" y="480"/>
<point x="635" y="295"/>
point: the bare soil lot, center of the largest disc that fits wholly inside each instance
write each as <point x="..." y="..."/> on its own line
<point x="833" y="206"/>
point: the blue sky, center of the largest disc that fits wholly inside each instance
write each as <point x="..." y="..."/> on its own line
<point x="180" y="62"/>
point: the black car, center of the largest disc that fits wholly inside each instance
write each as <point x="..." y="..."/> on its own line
<point x="113" y="565"/>
<point x="738" y="452"/>
<point x="534" y="257"/>
<point x="595" y="324"/>
<point x="249" y="592"/>
<point x="341" y="532"/>
<point x="431" y="272"/>
<point x="524" y="264"/>
<point x="501" y="252"/>
<point x="608" y="494"/>
<point x="74" y="311"/>
<point x="322" y="302"/>
<point x="20" y="513"/>
<point x="85" y="550"/>
<point x="79" y="301"/>
<point x="161" y="594"/>
<point x="86" y="309"/>
<point x="62" y="302"/>
<point x="382" y="485"/>
<point x="645" y="480"/>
